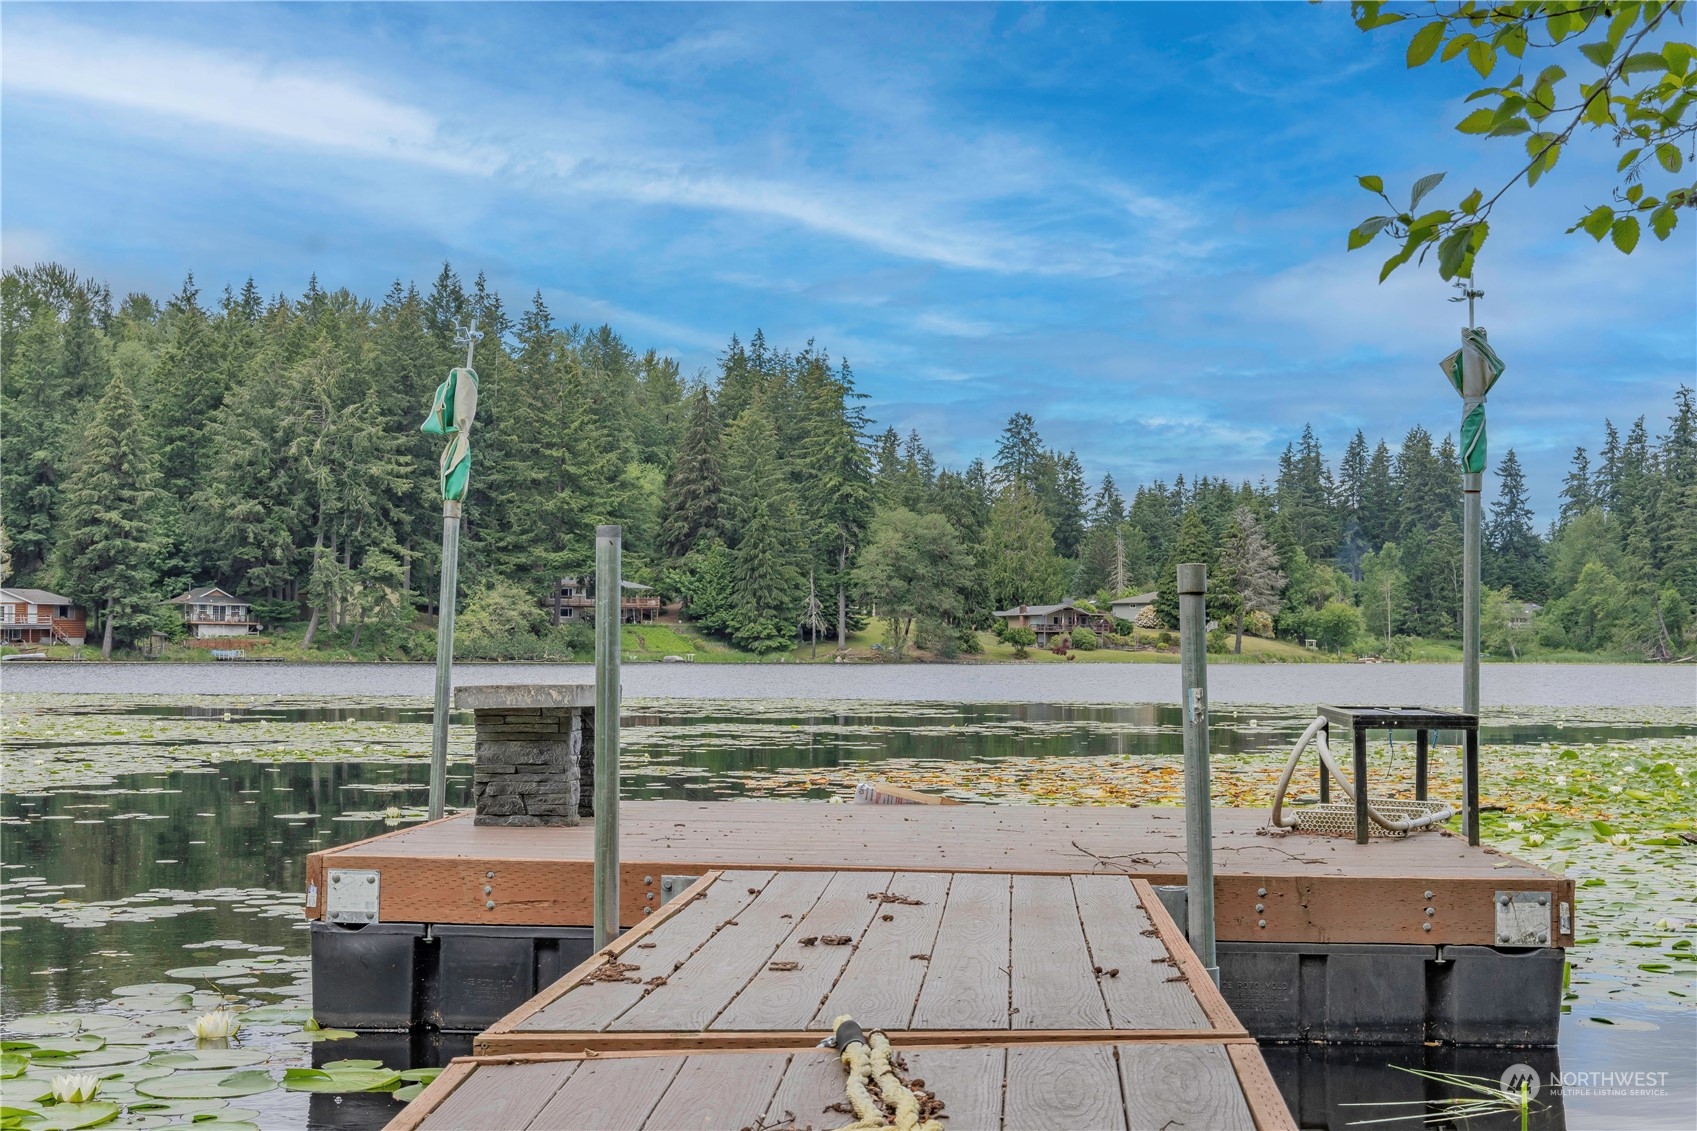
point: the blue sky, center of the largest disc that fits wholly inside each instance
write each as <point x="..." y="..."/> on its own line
<point x="1127" y="220"/>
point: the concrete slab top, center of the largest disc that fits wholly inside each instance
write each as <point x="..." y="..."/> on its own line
<point x="524" y="696"/>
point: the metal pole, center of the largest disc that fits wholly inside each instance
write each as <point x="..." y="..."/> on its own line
<point x="607" y="592"/>
<point x="1470" y="484"/>
<point x="444" y="657"/>
<point x="1198" y="796"/>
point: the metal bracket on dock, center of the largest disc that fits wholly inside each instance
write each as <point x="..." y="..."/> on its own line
<point x="350" y="896"/>
<point x="672" y="886"/>
<point x="1523" y="918"/>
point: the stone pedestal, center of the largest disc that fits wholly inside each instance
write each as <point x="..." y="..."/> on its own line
<point x="535" y="754"/>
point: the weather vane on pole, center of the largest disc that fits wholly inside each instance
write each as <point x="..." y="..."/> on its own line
<point x="1468" y="292"/>
<point x="451" y="416"/>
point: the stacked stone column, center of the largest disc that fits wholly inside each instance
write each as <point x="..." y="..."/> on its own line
<point x="535" y="753"/>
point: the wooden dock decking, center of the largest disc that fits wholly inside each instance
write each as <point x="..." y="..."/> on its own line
<point x="762" y="959"/>
<point x="1432" y="888"/>
<point x="1150" y="1086"/>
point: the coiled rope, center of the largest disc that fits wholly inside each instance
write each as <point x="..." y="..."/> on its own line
<point x="1431" y="813"/>
<point x="868" y="1062"/>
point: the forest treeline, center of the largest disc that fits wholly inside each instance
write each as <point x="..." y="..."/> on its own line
<point x="270" y="445"/>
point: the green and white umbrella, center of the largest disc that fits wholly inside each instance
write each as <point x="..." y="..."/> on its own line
<point x="1473" y="369"/>
<point x="451" y="415"/>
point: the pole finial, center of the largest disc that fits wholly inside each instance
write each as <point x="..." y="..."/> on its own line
<point x="467" y="336"/>
<point x="1467" y="291"/>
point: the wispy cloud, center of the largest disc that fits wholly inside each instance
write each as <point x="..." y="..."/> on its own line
<point x="283" y="101"/>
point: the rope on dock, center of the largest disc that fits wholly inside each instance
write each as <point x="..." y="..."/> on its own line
<point x="868" y="1062"/>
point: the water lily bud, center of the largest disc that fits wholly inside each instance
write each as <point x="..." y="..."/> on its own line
<point x="75" y="1087"/>
<point x="215" y="1026"/>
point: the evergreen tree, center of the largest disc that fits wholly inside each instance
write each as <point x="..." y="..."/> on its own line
<point x="838" y="491"/>
<point x="1194" y="544"/>
<point x="1017" y="454"/>
<point x="1249" y="570"/>
<point x="1019" y="553"/>
<point x="766" y="557"/>
<point x="103" y="552"/>
<point x="692" y="492"/>
<point x="1513" y="552"/>
<point x="1576" y="491"/>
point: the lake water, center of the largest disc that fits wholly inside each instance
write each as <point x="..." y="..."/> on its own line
<point x="174" y="831"/>
<point x="1432" y="685"/>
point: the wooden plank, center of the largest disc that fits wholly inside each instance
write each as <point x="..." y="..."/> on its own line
<point x="1062" y="1088"/>
<point x="1266" y="1102"/>
<point x="412" y="1117"/>
<point x="500" y="1100"/>
<point x="968" y="1081"/>
<point x="715" y="1093"/>
<point x="573" y="1003"/>
<point x="814" y="1078"/>
<point x="1201" y="986"/>
<point x="972" y="945"/>
<point x="609" y="1094"/>
<point x="725" y="962"/>
<point x="1173" y="1086"/>
<point x="512" y="1045"/>
<point x="1122" y="938"/>
<point x="1053" y="984"/>
<point x="788" y="999"/>
<point x="881" y="983"/>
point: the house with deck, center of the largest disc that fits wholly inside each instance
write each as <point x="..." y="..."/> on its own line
<point x="573" y="599"/>
<point x="35" y="616"/>
<point x="211" y="612"/>
<point x="1050" y="621"/>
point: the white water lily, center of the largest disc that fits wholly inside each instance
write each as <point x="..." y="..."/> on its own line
<point x="1535" y="839"/>
<point x="215" y="1026"/>
<point x="1621" y="839"/>
<point x="75" y="1087"/>
<point x="393" y="812"/>
<point x="1516" y="827"/>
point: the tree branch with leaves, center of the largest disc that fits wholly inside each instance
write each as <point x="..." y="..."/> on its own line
<point x="1640" y="95"/>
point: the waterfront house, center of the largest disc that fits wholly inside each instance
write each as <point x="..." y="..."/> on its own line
<point x="1050" y="621"/>
<point x="35" y="616"/>
<point x="210" y="612"/>
<point x="1127" y="608"/>
<point x="573" y="599"/>
<point x="1520" y="613"/>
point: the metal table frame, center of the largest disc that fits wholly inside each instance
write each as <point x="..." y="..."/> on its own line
<point x="1422" y="721"/>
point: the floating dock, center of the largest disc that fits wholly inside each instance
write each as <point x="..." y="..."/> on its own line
<point x="1150" y="1086"/>
<point x="1416" y="939"/>
<point x="1023" y="1001"/>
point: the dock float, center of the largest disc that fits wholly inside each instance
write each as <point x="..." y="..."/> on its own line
<point x="1419" y="939"/>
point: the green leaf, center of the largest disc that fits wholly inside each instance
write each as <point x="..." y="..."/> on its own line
<point x="340" y="1080"/>
<point x="1478" y="122"/>
<point x="1545" y="162"/>
<point x="73" y="1117"/>
<point x="1512" y="126"/>
<point x="1643" y="62"/>
<point x="1625" y="234"/>
<point x="1632" y="195"/>
<point x="1668" y="154"/>
<point x="1425" y="42"/>
<point x="1451" y="251"/>
<point x="1623" y="19"/>
<point x="1483" y="57"/>
<point x="1396" y="261"/>
<point x="1483" y="92"/>
<point x="1364" y="232"/>
<point x="1371" y="183"/>
<point x="1628" y="158"/>
<point x="1470" y="202"/>
<point x="1457" y="45"/>
<point x="1597" y="110"/>
<point x="1421" y="187"/>
<point x="1514" y="40"/>
<point x="1662" y="221"/>
<point x="1599" y="53"/>
<point x="1678" y="56"/>
<point x="207" y="1085"/>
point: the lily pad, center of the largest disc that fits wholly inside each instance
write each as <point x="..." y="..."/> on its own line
<point x="346" y="1065"/>
<point x="70" y="1117"/>
<point x="13" y="1064"/>
<point x="292" y="1014"/>
<point x="198" y="972"/>
<point x="342" y="1080"/>
<point x="153" y="989"/>
<point x="108" y="1057"/>
<point x="208" y="1058"/>
<point x="207" y="1085"/>
<point x="179" y="1107"/>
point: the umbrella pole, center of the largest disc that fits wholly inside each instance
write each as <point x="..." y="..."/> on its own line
<point x="1198" y="791"/>
<point x="444" y="656"/>
<point x="1472" y="520"/>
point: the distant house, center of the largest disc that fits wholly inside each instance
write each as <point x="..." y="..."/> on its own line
<point x="1050" y="621"/>
<point x="1520" y="613"/>
<point x="574" y="599"/>
<point x="35" y="616"/>
<point x="1127" y="608"/>
<point x="212" y="612"/>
